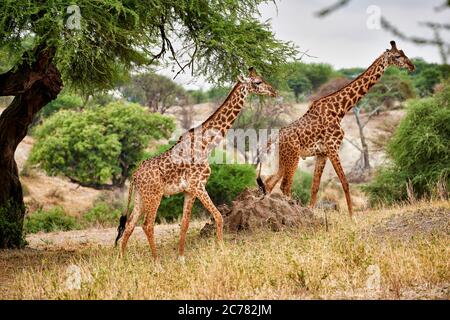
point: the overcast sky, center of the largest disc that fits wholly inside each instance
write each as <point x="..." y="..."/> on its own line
<point x="343" y="38"/>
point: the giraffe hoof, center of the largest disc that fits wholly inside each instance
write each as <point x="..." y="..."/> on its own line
<point x="181" y="259"/>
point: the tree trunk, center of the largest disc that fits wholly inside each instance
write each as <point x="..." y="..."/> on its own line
<point x="365" y="147"/>
<point x="33" y="87"/>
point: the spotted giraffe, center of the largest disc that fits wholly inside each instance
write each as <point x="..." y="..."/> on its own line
<point x="185" y="168"/>
<point x="318" y="132"/>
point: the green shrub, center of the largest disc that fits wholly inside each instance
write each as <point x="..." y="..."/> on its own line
<point x="301" y="187"/>
<point x="171" y="208"/>
<point x="224" y="184"/>
<point x="98" y="145"/>
<point x="227" y="181"/>
<point x="52" y="220"/>
<point x="102" y="215"/>
<point x="419" y="152"/>
<point x="64" y="101"/>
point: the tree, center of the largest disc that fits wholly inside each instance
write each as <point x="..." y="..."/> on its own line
<point x="94" y="43"/>
<point x="155" y="91"/>
<point x="100" y="146"/>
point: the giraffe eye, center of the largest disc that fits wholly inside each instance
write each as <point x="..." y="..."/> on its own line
<point x="258" y="82"/>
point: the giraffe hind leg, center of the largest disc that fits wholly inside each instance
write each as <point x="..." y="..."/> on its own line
<point x="150" y="207"/>
<point x="132" y="220"/>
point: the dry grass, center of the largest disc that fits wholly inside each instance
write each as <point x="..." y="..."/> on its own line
<point x="296" y="264"/>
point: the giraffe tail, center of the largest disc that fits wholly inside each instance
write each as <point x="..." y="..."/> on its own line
<point x="259" y="181"/>
<point x="123" y="218"/>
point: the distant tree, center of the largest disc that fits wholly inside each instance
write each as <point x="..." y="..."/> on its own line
<point x="91" y="48"/>
<point x="218" y="94"/>
<point x="197" y="96"/>
<point x="155" y="91"/>
<point x="303" y="78"/>
<point x="329" y="87"/>
<point x="428" y="75"/>
<point x="351" y="73"/>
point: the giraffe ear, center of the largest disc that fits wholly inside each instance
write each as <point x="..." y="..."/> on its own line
<point x="252" y="72"/>
<point x="393" y="45"/>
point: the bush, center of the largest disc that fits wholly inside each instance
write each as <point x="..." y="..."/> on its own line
<point x="419" y="151"/>
<point x="301" y="187"/>
<point x="64" y="101"/>
<point x="98" y="145"/>
<point x="224" y="184"/>
<point x="227" y="181"/>
<point x="52" y="220"/>
<point x="102" y="215"/>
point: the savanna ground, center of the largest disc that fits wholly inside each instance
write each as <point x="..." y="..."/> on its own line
<point x="400" y="252"/>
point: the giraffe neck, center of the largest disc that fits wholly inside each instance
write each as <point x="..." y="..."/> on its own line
<point x="342" y="101"/>
<point x="223" y="118"/>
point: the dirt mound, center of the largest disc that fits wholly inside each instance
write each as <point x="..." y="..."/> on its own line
<point x="424" y="222"/>
<point x="251" y="211"/>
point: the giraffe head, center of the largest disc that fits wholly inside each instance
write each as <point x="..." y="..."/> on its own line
<point x="256" y="84"/>
<point x="398" y="58"/>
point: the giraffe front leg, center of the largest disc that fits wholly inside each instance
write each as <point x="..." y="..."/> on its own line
<point x="340" y="173"/>
<point x="189" y="200"/>
<point x="150" y="206"/>
<point x="286" y="183"/>
<point x="290" y="166"/>
<point x="318" y="170"/>
<point x="209" y="205"/>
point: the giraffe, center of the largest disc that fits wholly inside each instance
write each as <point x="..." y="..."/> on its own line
<point x="318" y="132"/>
<point x="185" y="168"/>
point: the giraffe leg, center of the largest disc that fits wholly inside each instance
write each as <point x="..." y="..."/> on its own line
<point x="286" y="183"/>
<point x="150" y="206"/>
<point x="189" y="200"/>
<point x="209" y="205"/>
<point x="340" y="172"/>
<point x="318" y="170"/>
<point x="272" y="181"/>
<point x="290" y="166"/>
<point x="132" y="221"/>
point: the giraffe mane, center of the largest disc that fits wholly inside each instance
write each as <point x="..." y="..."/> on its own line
<point x="224" y="102"/>
<point x="354" y="80"/>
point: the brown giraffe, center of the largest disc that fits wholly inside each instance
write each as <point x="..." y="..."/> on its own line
<point x="318" y="132"/>
<point x="185" y="168"/>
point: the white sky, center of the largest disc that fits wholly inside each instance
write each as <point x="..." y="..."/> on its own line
<point x="343" y="38"/>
